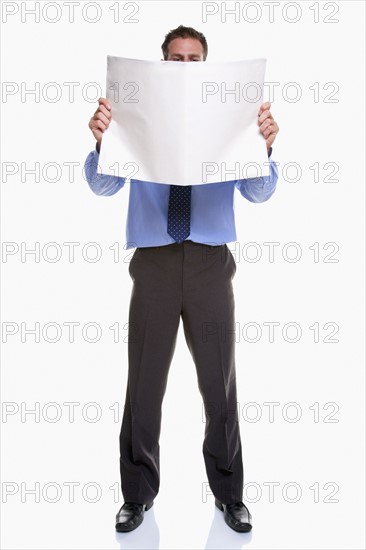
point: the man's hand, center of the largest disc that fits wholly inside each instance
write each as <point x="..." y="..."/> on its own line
<point x="267" y="126"/>
<point x="101" y="119"/>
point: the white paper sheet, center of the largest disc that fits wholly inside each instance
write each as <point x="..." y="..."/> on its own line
<point x="184" y="123"/>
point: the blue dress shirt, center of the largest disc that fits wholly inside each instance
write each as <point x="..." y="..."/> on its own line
<point x="212" y="205"/>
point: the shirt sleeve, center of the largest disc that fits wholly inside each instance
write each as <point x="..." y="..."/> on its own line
<point x="262" y="188"/>
<point x="101" y="184"/>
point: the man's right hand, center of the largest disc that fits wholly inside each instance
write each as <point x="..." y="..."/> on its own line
<point x="101" y="119"/>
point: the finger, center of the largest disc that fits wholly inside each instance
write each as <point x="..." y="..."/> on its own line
<point x="104" y="101"/>
<point x="98" y="125"/>
<point x="105" y="111"/>
<point x="264" y="107"/>
<point x="267" y="122"/>
<point x="270" y="131"/>
<point x="102" y="117"/>
<point x="96" y="131"/>
<point x="264" y="116"/>
<point x="275" y="127"/>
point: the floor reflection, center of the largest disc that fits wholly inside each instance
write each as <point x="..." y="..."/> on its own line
<point x="222" y="537"/>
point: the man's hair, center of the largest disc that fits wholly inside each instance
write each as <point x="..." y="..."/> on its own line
<point x="183" y="32"/>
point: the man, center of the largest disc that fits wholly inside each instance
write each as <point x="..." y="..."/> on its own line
<point x="177" y="277"/>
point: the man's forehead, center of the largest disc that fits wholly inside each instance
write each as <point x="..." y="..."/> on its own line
<point x="188" y="45"/>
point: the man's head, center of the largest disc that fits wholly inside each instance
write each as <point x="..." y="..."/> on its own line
<point x="184" y="44"/>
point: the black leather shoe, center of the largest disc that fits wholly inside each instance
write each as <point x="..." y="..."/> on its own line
<point x="237" y="515"/>
<point x="131" y="516"/>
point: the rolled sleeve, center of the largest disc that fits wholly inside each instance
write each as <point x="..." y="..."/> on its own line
<point x="262" y="188"/>
<point x="101" y="184"/>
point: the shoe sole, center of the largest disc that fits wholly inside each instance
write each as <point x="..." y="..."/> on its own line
<point x="245" y="528"/>
<point x="121" y="528"/>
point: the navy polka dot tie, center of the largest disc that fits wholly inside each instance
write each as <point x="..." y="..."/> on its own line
<point x="179" y="213"/>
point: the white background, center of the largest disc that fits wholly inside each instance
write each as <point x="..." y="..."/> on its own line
<point x="304" y="454"/>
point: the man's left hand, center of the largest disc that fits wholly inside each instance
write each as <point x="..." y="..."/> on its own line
<point x="267" y="126"/>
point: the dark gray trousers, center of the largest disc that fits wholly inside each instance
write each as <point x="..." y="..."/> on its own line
<point x="192" y="281"/>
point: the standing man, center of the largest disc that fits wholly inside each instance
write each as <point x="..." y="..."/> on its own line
<point x="175" y="276"/>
